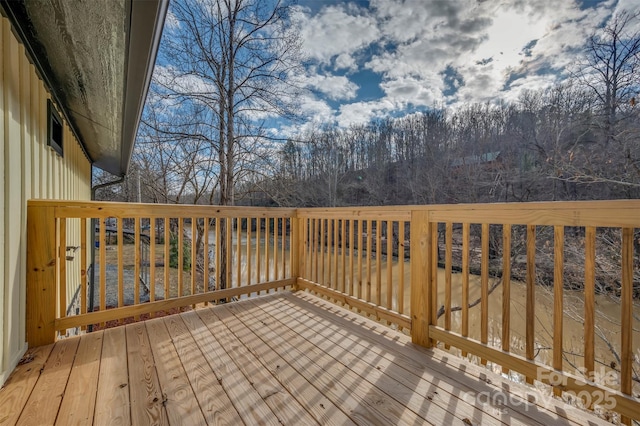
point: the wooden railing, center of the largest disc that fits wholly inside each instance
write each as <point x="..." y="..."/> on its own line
<point x="343" y="257"/>
<point x="396" y="264"/>
<point x="210" y="249"/>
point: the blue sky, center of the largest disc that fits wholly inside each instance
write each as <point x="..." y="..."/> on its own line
<point x="380" y="58"/>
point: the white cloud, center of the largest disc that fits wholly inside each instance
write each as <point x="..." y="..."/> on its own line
<point x="336" y="31"/>
<point x="363" y="112"/>
<point x="484" y="42"/>
<point x="425" y="91"/>
<point x="171" y="21"/>
<point x="179" y="82"/>
<point x="498" y="49"/>
<point x="529" y="83"/>
<point x="345" y="61"/>
<point x="315" y="109"/>
<point x="332" y="86"/>
<point x="412" y="19"/>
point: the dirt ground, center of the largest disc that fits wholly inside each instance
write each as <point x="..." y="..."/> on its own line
<point x="128" y="257"/>
<point x="128" y="265"/>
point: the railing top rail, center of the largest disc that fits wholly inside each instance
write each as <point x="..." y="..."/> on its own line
<point x="613" y="213"/>
<point x="100" y="209"/>
<point x="398" y="214"/>
<point x="530" y="205"/>
<point x="610" y="213"/>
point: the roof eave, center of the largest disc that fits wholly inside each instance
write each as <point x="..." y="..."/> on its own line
<point x="147" y="22"/>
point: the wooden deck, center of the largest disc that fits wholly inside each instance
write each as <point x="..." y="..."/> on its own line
<point x="286" y="358"/>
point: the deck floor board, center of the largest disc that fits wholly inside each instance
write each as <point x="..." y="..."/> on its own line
<point x="146" y="397"/>
<point x="78" y="406"/>
<point x="44" y="403"/>
<point x="112" y="405"/>
<point x="285" y="358"/>
<point x="177" y="393"/>
<point x="392" y="397"/>
<point x="302" y="387"/>
<point x="422" y="395"/>
<point x="21" y="383"/>
<point x="216" y="406"/>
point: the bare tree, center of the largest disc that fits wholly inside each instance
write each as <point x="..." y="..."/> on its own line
<point x="236" y="58"/>
<point x="225" y="67"/>
<point x="611" y="68"/>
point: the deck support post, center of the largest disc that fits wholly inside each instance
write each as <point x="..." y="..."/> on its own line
<point x="421" y="265"/>
<point x="41" y="275"/>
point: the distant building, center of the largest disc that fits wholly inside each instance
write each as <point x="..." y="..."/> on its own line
<point x="473" y="160"/>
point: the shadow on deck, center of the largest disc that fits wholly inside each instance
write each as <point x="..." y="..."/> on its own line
<point x="286" y="358"/>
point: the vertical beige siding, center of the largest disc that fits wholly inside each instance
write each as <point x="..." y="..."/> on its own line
<point x="29" y="169"/>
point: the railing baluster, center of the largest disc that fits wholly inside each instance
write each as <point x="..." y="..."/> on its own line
<point x="303" y="244"/>
<point x="258" y="243"/>
<point x="434" y="273"/>
<point x="194" y="249"/>
<point x="447" y="285"/>
<point x="351" y="254"/>
<point x="297" y="244"/>
<point x="314" y="249"/>
<point x="401" y="252"/>
<point x="626" y="304"/>
<point x="152" y="259"/>
<point x="335" y="254"/>
<point x="62" y="268"/>
<point x="484" y="283"/>
<point x="218" y="254"/>
<point x="466" y="228"/>
<point x="389" y="264"/>
<point x="283" y="245"/>
<point x="321" y="279"/>
<point x="343" y="254"/>
<point x="102" y="241"/>
<point x="136" y="267"/>
<point x="180" y="254"/>
<point x="330" y="223"/>
<point x="506" y="288"/>
<point x="229" y="249"/>
<point x="369" y="238"/>
<point x="120" y="243"/>
<point x="83" y="266"/>
<point x="311" y="247"/>
<point x="239" y="252"/>
<point x="308" y="248"/>
<point x="248" y="252"/>
<point x="275" y="248"/>
<point x="306" y="266"/>
<point x="589" y="298"/>
<point x="167" y="257"/>
<point x="267" y="241"/>
<point x="378" y="262"/>
<point x="205" y="256"/>
<point x="361" y="243"/>
<point x="558" y="309"/>
<point x="530" y="295"/>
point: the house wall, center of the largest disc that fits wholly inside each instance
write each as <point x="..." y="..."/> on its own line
<point x="29" y="169"/>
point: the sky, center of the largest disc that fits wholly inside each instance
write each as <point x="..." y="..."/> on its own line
<point x="384" y="58"/>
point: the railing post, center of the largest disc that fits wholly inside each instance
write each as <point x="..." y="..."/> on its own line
<point x="41" y="275"/>
<point x="420" y="250"/>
